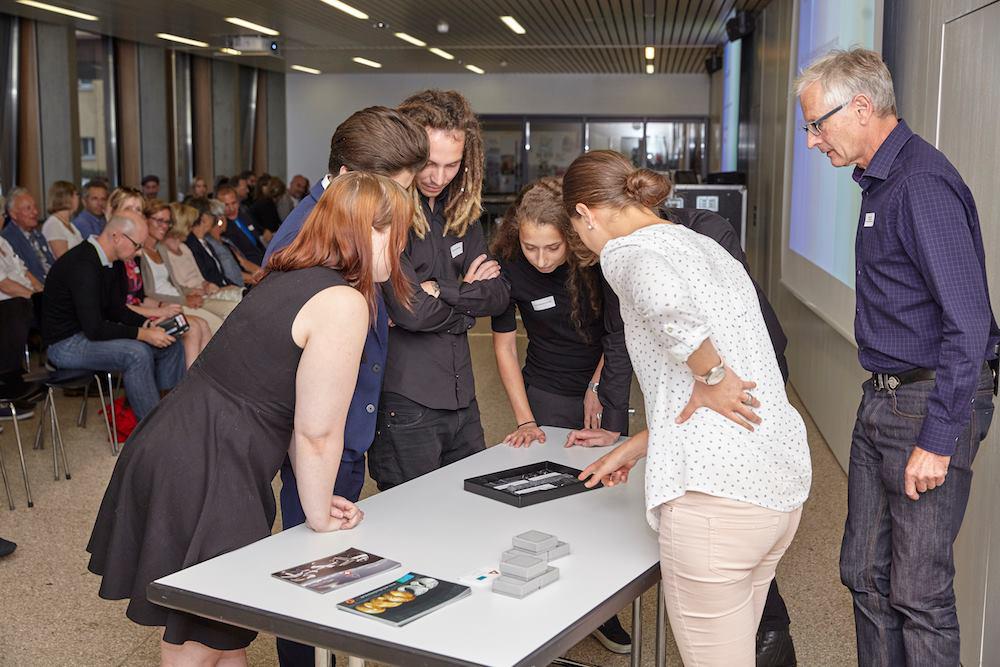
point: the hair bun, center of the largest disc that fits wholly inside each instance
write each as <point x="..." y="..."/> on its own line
<point x="646" y="187"/>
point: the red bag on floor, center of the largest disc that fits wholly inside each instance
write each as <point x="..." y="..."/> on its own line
<point x="125" y="420"/>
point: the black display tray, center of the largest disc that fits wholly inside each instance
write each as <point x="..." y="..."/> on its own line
<point x="483" y="484"/>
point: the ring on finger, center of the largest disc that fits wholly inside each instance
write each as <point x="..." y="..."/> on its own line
<point x="749" y="400"/>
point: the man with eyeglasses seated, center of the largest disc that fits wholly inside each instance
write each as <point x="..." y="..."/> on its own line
<point x="86" y="324"/>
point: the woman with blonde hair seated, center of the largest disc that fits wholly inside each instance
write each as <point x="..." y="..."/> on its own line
<point x="62" y="203"/>
<point x="156" y="277"/>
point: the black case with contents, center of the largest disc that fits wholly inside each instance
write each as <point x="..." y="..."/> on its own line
<point x="484" y="485"/>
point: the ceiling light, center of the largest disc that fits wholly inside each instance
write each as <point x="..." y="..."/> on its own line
<point x="58" y="10"/>
<point x="512" y="23"/>
<point x="365" y="61"/>
<point x="230" y="52"/>
<point x="443" y="54"/>
<point x="477" y="70"/>
<point x="411" y="39"/>
<point x="650" y="53"/>
<point x="347" y="9"/>
<point x="307" y="70"/>
<point x="243" y="23"/>
<point x="650" y="68"/>
<point x="181" y="40"/>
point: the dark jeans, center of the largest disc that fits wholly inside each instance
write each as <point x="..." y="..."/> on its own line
<point x="897" y="556"/>
<point x="350" y="479"/>
<point x="412" y="440"/>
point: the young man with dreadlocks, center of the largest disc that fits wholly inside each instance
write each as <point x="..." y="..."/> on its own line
<point x="428" y="416"/>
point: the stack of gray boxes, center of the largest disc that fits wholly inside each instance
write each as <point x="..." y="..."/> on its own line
<point x="525" y="568"/>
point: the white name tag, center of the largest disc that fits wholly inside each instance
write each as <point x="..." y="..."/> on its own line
<point x="870" y="219"/>
<point x="544" y="304"/>
<point x="457" y="249"/>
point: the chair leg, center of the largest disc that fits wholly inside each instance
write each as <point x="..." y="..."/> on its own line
<point x="81" y="419"/>
<point x="57" y="441"/>
<point x="52" y="430"/>
<point x="40" y="429"/>
<point x="6" y="484"/>
<point x="111" y="411"/>
<point x="20" y="453"/>
<point x="111" y="438"/>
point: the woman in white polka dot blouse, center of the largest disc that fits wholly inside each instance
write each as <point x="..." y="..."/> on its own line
<point x="724" y="485"/>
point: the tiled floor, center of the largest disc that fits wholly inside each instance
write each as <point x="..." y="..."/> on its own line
<point x="51" y="614"/>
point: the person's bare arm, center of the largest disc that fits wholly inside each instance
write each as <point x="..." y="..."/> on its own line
<point x="505" y="349"/>
<point x="331" y="330"/>
<point x="14" y="289"/>
<point x="58" y="247"/>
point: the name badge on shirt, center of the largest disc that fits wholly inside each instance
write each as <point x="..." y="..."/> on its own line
<point x="544" y="304"/>
<point x="870" y="219"/>
<point x="457" y="249"/>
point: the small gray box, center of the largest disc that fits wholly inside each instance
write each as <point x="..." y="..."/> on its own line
<point x="550" y="575"/>
<point x="523" y="567"/>
<point x="515" y="588"/>
<point x="560" y="550"/>
<point x="535" y="541"/>
<point x="512" y="553"/>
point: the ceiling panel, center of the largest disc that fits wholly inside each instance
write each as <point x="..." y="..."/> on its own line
<point x="563" y="36"/>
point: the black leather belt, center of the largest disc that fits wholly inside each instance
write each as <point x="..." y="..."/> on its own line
<point x="891" y="381"/>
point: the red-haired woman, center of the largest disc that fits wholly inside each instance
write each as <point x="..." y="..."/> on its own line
<point x="194" y="480"/>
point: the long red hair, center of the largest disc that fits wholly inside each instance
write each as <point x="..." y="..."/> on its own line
<point x="337" y="234"/>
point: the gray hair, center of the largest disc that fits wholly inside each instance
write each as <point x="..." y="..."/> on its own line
<point x="844" y="74"/>
<point x="218" y="208"/>
<point x="12" y="197"/>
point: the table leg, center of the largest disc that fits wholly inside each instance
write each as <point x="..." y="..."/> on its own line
<point x="661" y="628"/>
<point x="322" y="657"/>
<point x="637" y="632"/>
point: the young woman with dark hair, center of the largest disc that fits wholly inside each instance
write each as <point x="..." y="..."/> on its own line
<point x="577" y="373"/>
<point x="194" y="480"/>
<point x="724" y="486"/>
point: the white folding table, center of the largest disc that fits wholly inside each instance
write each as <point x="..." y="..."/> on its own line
<point x="433" y="526"/>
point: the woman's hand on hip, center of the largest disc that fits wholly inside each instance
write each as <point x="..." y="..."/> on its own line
<point x="731" y="398"/>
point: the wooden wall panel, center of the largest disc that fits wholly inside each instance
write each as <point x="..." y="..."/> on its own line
<point x="127" y="113"/>
<point x="29" y="131"/>
<point x="201" y="118"/>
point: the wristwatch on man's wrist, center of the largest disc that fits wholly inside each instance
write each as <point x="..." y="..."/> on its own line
<point x="714" y="376"/>
<point x="592" y="386"/>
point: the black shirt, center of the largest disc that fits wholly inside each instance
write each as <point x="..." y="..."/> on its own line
<point x="429" y="360"/>
<point x="715" y="227"/>
<point x="83" y="295"/>
<point x="560" y="358"/>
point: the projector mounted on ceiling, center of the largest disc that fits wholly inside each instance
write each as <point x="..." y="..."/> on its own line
<point x="254" y="45"/>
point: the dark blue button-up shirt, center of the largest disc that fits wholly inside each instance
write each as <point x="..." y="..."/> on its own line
<point x="922" y="298"/>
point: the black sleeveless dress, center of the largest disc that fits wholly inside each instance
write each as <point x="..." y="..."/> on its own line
<point x="194" y="479"/>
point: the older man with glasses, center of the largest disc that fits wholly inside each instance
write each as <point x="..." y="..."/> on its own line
<point x="87" y="325"/>
<point x="926" y="333"/>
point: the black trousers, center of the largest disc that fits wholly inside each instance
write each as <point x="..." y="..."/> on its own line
<point x="567" y="412"/>
<point x="15" y="322"/>
<point x="412" y="440"/>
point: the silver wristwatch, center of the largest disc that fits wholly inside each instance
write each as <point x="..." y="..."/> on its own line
<point x="592" y="386"/>
<point x="714" y="376"/>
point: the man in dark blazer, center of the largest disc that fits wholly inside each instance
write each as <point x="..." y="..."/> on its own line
<point x="204" y="255"/>
<point x="241" y="230"/>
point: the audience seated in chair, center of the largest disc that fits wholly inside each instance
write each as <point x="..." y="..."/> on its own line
<point x="87" y="325"/>
<point x="242" y="230"/>
<point x="24" y="236"/>
<point x="62" y="203"/>
<point x="234" y="263"/>
<point x="91" y="220"/>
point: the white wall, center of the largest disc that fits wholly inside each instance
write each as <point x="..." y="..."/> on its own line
<point x="317" y="104"/>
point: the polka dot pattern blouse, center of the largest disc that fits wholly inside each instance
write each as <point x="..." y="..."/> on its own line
<point x="678" y="288"/>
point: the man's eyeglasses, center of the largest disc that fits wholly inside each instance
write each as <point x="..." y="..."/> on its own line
<point x="137" y="246"/>
<point x="815" y="127"/>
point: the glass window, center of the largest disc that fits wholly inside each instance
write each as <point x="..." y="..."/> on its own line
<point x="551" y="146"/>
<point x="676" y="146"/>
<point x="95" y="86"/>
<point x="622" y="136"/>
<point x="503" y="141"/>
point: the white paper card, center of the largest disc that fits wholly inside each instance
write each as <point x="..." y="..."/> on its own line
<point x="544" y="304"/>
<point x="870" y="219"/>
<point x="457" y="249"/>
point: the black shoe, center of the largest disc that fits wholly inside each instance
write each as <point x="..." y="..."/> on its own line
<point x="6" y="547"/>
<point x="613" y="636"/>
<point x="775" y="649"/>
